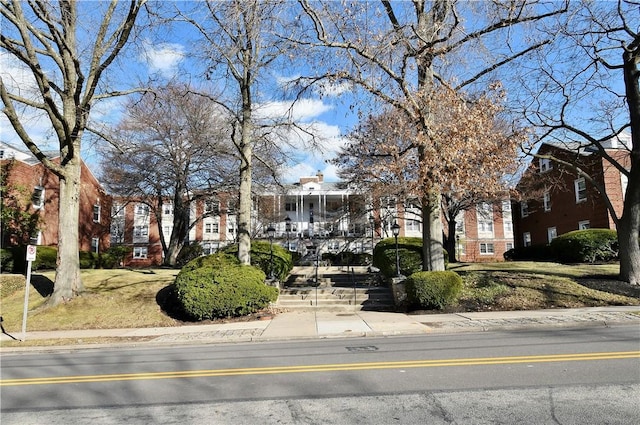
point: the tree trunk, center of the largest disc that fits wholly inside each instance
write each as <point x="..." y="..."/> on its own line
<point x="67" y="280"/>
<point x="629" y="224"/>
<point x="629" y="227"/>
<point x="450" y="241"/>
<point x="432" y="253"/>
<point x="180" y="229"/>
<point x="244" y="213"/>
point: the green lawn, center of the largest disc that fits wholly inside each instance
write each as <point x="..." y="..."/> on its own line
<point x="118" y="298"/>
<point x="125" y="298"/>
<point x="521" y="285"/>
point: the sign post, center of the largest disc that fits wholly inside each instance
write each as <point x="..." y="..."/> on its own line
<point x="31" y="256"/>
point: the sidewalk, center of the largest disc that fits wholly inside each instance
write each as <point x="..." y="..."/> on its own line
<point x="325" y="324"/>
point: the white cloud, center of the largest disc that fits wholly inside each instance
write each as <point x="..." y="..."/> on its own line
<point x="300" y="111"/>
<point x="163" y="58"/>
<point x="332" y="89"/>
<point x="18" y="79"/>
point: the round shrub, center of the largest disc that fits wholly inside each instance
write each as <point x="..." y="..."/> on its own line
<point x="586" y="246"/>
<point x="218" y="286"/>
<point x="409" y="253"/>
<point x="261" y="258"/>
<point x="433" y="290"/>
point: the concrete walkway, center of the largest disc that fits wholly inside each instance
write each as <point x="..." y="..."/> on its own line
<point x="325" y="324"/>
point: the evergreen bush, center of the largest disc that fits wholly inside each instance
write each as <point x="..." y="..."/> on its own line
<point x="433" y="290"/>
<point x="261" y="258"/>
<point x="6" y="260"/>
<point x="529" y="253"/>
<point x="409" y="253"/>
<point x="218" y="286"/>
<point x="586" y="246"/>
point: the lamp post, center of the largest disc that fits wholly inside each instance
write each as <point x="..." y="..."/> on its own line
<point x="395" y="229"/>
<point x="373" y="229"/>
<point x="271" y="232"/>
<point x="287" y="228"/>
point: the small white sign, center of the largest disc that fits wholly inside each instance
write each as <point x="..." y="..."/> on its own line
<point x="31" y="253"/>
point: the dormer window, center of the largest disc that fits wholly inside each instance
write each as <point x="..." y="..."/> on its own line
<point x="544" y="165"/>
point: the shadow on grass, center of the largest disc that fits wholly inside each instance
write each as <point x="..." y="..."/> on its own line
<point x="43" y="285"/>
<point x="168" y="302"/>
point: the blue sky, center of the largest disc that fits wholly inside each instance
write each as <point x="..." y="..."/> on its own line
<point x="329" y="115"/>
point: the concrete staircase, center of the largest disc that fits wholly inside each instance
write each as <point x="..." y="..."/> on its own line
<point x="337" y="288"/>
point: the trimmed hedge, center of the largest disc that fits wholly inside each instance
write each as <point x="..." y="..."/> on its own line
<point x="6" y="260"/>
<point x="218" y="286"/>
<point x="14" y="259"/>
<point x="529" y="253"/>
<point x="347" y="258"/>
<point x="409" y="253"/>
<point x="586" y="246"/>
<point x="433" y="289"/>
<point x="261" y="258"/>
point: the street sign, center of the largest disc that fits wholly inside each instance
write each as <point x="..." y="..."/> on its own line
<point x="31" y="253"/>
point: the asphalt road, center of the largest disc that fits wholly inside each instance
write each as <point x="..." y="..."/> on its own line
<point x="568" y="376"/>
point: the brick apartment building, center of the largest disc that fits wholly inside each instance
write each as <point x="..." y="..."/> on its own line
<point x="555" y="200"/>
<point x="36" y="191"/>
<point x="212" y="224"/>
<point x="485" y="232"/>
<point x="324" y="217"/>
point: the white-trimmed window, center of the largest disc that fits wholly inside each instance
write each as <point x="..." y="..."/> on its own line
<point x="524" y="209"/>
<point x="581" y="189"/>
<point x="526" y="239"/>
<point x="506" y="206"/>
<point x="486" y="248"/>
<point x="167" y="209"/>
<point x="96" y="213"/>
<point x="584" y="225"/>
<point x="142" y="209"/>
<point x="140" y="231"/>
<point x="552" y="233"/>
<point x="624" y="182"/>
<point x="140" y="252"/>
<point x="210" y="228"/>
<point x="485" y="219"/>
<point x="117" y="210"/>
<point x="508" y="227"/>
<point x="117" y="230"/>
<point x="546" y="200"/>
<point x="412" y="225"/>
<point x="209" y="248"/>
<point x="37" y="197"/>
<point x="95" y="245"/>
<point x="544" y="164"/>
<point x="508" y="246"/>
<point x="460" y="223"/>
<point x="211" y="206"/>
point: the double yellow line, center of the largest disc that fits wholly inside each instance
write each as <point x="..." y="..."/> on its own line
<point x="321" y="368"/>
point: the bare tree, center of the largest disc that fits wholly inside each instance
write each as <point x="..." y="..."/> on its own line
<point x="173" y="149"/>
<point x="66" y="62"/>
<point x="241" y="47"/>
<point x="584" y="91"/>
<point x="401" y="51"/>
